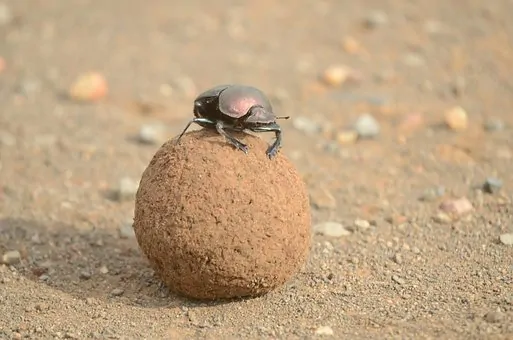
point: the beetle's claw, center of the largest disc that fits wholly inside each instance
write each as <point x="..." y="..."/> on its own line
<point x="271" y="152"/>
<point x="244" y="148"/>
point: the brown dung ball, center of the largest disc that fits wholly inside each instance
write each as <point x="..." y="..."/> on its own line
<point x="216" y="223"/>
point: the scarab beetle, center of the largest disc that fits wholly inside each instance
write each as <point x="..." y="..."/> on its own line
<point x="236" y="108"/>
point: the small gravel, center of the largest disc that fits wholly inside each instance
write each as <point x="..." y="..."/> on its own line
<point x="456" y="118"/>
<point x="376" y="19"/>
<point x="492" y="185"/>
<point x="151" y="133"/>
<point x="494" y="317"/>
<point x="324" y="330"/>
<point x="413" y="60"/>
<point x="506" y="239"/>
<point x="11" y="257"/>
<point x="494" y="124"/>
<point x="397" y="258"/>
<point x="84" y="275"/>
<point x="432" y="194"/>
<point x="361" y="224"/>
<point x="306" y="125"/>
<point x="398" y="279"/>
<point x="127" y="189"/>
<point x="367" y="126"/>
<point x="458" y="206"/>
<point x="7" y="139"/>
<point x="117" y="292"/>
<point x="459" y="86"/>
<point x="347" y="137"/>
<point x="322" y="198"/>
<point x="126" y="231"/>
<point x="331" y="229"/>
<point x="6" y="16"/>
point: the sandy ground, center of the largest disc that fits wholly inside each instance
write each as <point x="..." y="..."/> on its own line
<point x="418" y="247"/>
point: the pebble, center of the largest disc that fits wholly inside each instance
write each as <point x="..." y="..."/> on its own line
<point x="324" y="330"/>
<point x="492" y="185"/>
<point x="432" y="194"/>
<point x="84" y="275"/>
<point x="458" y="206"/>
<point x="331" y="229"/>
<point x="321" y="198"/>
<point x="3" y="64"/>
<point x="104" y="270"/>
<point x="185" y="85"/>
<point x="337" y="75"/>
<point x="126" y="231"/>
<point x="7" y="139"/>
<point x="151" y="133"/>
<point x="89" y="86"/>
<point x="362" y="224"/>
<point x="127" y="189"/>
<point x="456" y="118"/>
<point x="11" y="257"/>
<point x="494" y="317"/>
<point x="6" y="16"/>
<point x="459" y="86"/>
<point x="367" y="126"/>
<point x="398" y="258"/>
<point x="351" y="45"/>
<point x="411" y="122"/>
<point x="433" y="27"/>
<point x="442" y="217"/>
<point x="347" y="137"/>
<point x="117" y="292"/>
<point x="413" y="60"/>
<point x="493" y="124"/>
<point x="506" y="239"/>
<point x="306" y="125"/>
<point x="30" y="86"/>
<point x="398" y="279"/>
<point x="375" y="19"/>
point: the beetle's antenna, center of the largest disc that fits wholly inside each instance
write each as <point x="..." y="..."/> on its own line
<point x="283" y="117"/>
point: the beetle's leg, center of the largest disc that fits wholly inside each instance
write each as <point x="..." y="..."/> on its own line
<point x="197" y="121"/>
<point x="232" y="140"/>
<point x="273" y="148"/>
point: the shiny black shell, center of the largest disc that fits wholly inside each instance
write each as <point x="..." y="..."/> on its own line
<point x="232" y="102"/>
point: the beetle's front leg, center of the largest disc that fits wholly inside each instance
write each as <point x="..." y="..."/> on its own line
<point x="273" y="149"/>
<point x="220" y="126"/>
<point x="197" y="121"/>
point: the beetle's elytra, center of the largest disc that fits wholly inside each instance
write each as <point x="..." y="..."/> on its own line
<point x="236" y="108"/>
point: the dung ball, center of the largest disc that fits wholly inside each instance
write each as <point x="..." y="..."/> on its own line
<point x="216" y="223"/>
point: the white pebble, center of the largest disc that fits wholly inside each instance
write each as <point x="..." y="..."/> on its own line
<point x="127" y="188"/>
<point x="151" y="133"/>
<point x="367" y="126"/>
<point x="11" y="257"/>
<point x="306" y="125"/>
<point x="506" y="239"/>
<point x="6" y="15"/>
<point x="331" y="229"/>
<point x="361" y="224"/>
<point x="324" y="330"/>
<point x="376" y="18"/>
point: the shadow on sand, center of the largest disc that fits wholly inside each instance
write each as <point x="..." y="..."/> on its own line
<point x="88" y="264"/>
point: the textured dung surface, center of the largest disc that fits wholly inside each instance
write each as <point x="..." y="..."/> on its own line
<point x="217" y="223"/>
<point x="410" y="275"/>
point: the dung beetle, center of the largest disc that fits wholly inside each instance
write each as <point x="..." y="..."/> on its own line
<point x="236" y="108"/>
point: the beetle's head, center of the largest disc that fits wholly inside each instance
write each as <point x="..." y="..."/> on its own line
<point x="259" y="115"/>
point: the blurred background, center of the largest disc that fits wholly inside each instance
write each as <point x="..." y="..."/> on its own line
<point x="401" y="127"/>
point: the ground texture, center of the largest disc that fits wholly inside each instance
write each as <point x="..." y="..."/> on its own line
<point x="412" y="219"/>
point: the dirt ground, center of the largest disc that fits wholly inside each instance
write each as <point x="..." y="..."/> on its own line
<point x="417" y="246"/>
